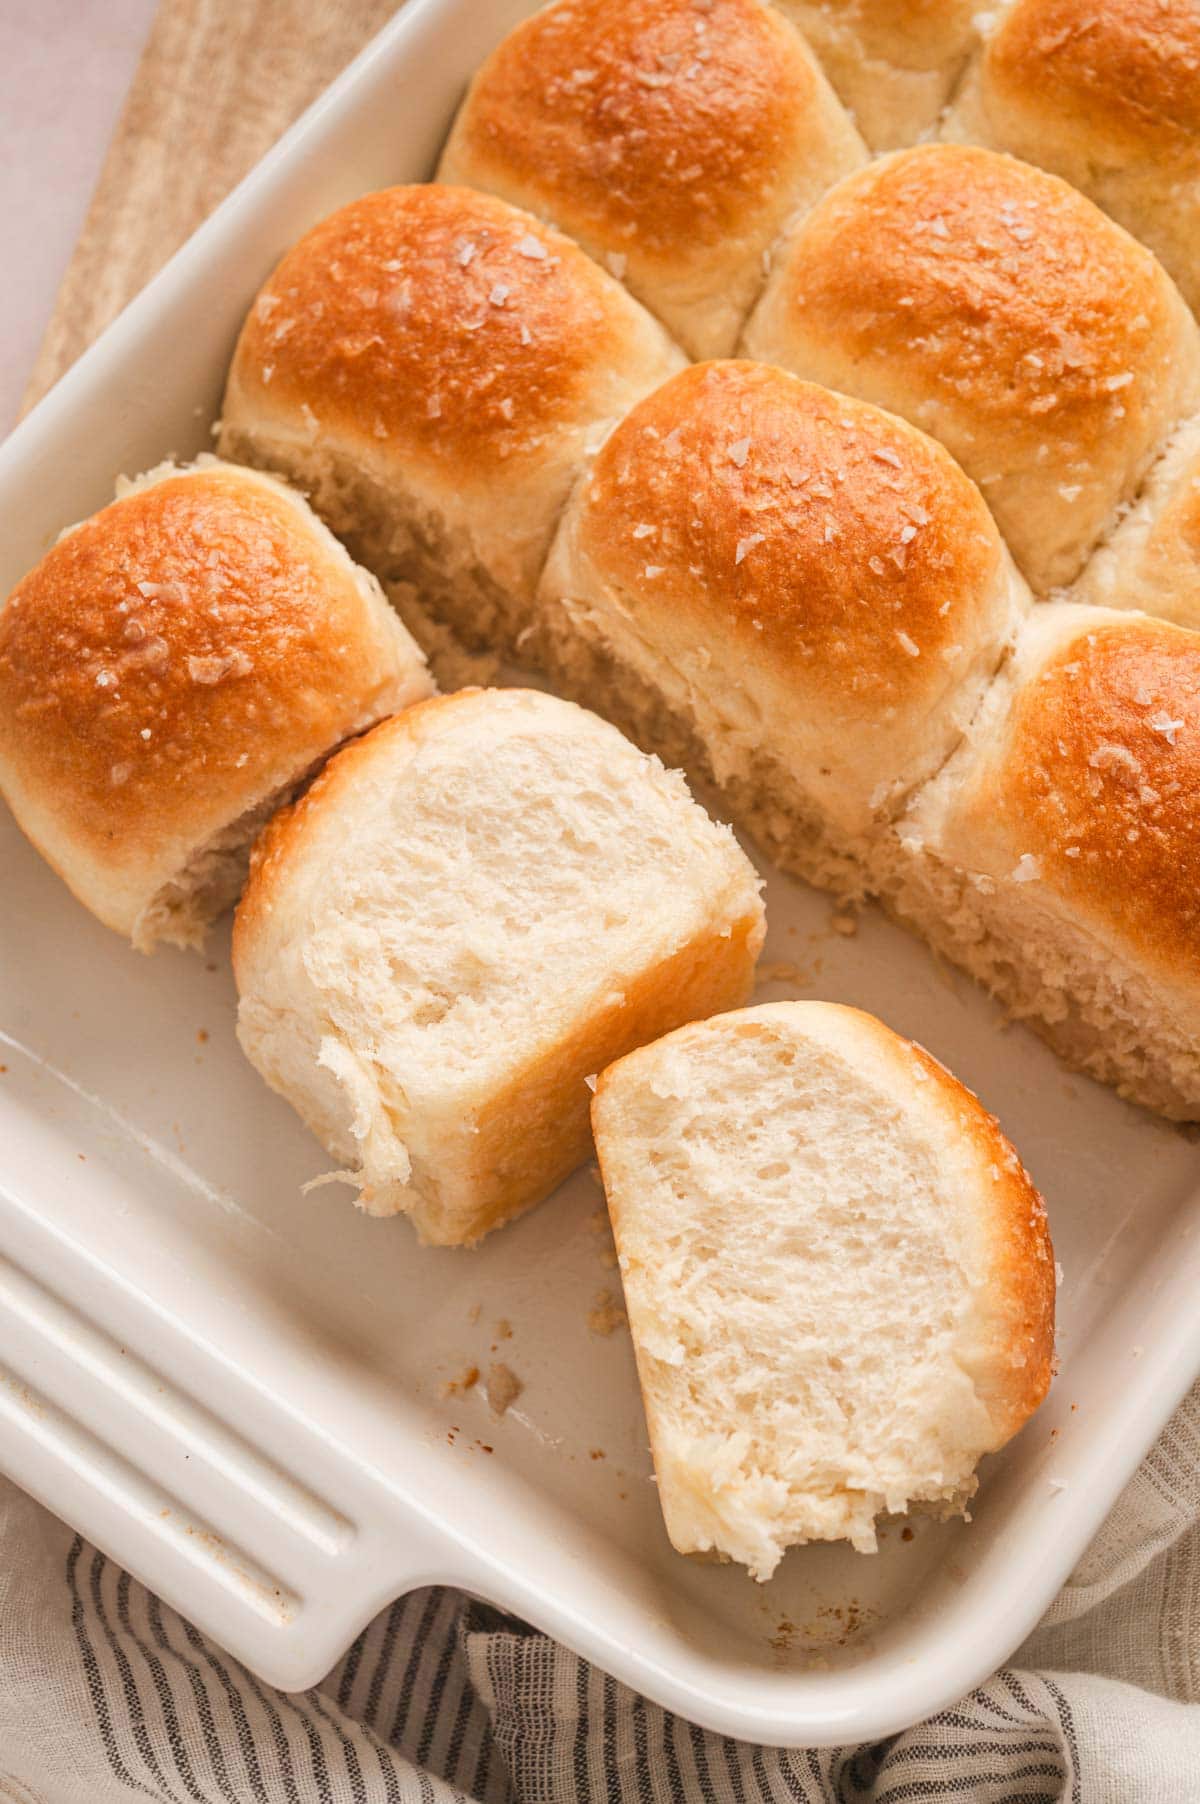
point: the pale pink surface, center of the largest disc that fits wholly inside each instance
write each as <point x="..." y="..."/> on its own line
<point x="65" y="66"/>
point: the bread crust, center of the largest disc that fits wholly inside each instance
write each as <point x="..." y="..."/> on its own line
<point x="914" y="34"/>
<point x="999" y="309"/>
<point x="1095" y="774"/>
<point x="672" y="140"/>
<point x="1016" y="1377"/>
<point x="725" y="1490"/>
<point x="433" y="326"/>
<point x="1125" y="75"/>
<point x="434" y="367"/>
<point x="1107" y="97"/>
<point x="827" y="529"/>
<point x="178" y="658"/>
<point x="703" y="975"/>
<point x="804" y="578"/>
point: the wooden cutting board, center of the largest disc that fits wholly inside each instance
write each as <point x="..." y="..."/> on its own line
<point x="218" y="81"/>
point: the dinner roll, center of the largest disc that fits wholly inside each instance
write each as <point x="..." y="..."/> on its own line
<point x="432" y="366"/>
<point x="838" y="1276"/>
<point x="997" y="308"/>
<point x="672" y="138"/>
<point x="473" y="910"/>
<point x="1057" y="856"/>
<point x="169" y="673"/>
<point x="787" y="591"/>
<point x="893" y="62"/>
<point x="1152" y="560"/>
<point x="1107" y="97"/>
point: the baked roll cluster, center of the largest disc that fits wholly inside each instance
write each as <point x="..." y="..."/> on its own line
<point x="737" y="378"/>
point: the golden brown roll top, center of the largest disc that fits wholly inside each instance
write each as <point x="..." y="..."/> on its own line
<point x="170" y="669"/>
<point x="1107" y="97"/>
<point x="1057" y="855"/>
<point x="997" y="308"/>
<point x="1085" y="781"/>
<point x="672" y="138"/>
<point x="795" y="570"/>
<point x="893" y="62"/>
<point x="433" y="365"/>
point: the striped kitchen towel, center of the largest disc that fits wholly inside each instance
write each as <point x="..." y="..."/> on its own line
<point x="108" y="1696"/>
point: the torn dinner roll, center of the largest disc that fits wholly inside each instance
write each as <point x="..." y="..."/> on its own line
<point x="838" y="1276"/>
<point x="476" y="907"/>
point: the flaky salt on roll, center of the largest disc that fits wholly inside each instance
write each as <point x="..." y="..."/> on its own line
<point x="893" y="62"/>
<point x="433" y="367"/>
<point x="473" y="910"/>
<point x="169" y="673"/>
<point x="1057" y="856"/>
<point x="792" y="592"/>
<point x="838" y="1276"/>
<point x="673" y="138"/>
<point x="1001" y="311"/>
<point x="1108" y="97"/>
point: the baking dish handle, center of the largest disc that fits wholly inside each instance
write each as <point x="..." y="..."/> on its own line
<point x="242" y="1517"/>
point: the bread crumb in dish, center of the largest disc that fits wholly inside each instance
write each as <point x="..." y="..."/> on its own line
<point x="606" y="1314"/>
<point x="503" y="1387"/>
<point x="465" y="1382"/>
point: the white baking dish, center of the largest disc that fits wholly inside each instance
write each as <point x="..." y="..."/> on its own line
<point x="240" y="1392"/>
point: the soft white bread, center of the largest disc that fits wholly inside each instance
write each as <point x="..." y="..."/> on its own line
<point x="169" y="673"/>
<point x="1152" y="560"/>
<point x="433" y="365"/>
<point x="997" y="308"/>
<point x="1108" y="97"/>
<point x="894" y="62"/>
<point x="673" y="139"/>
<point x="838" y="1276"/>
<point x="789" y="592"/>
<point x="1057" y="856"/>
<point x="473" y="910"/>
